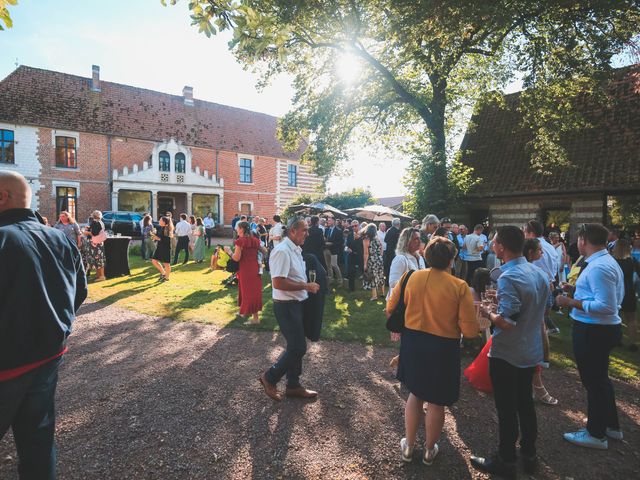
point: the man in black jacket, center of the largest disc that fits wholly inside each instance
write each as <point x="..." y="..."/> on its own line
<point x="42" y="285"/>
<point x="391" y="239"/>
<point x="314" y="243"/>
<point x="356" y="253"/>
<point x="334" y="241"/>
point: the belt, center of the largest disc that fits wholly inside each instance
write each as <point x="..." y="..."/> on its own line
<point x="287" y="301"/>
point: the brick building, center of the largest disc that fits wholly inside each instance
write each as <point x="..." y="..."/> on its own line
<point x="87" y="144"/>
<point x="604" y="158"/>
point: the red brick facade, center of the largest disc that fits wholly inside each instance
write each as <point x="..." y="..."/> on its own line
<point x="119" y="131"/>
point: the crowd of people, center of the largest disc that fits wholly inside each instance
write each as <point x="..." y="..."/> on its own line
<point x="448" y="283"/>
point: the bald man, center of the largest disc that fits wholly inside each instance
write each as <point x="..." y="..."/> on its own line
<point x="42" y="285"/>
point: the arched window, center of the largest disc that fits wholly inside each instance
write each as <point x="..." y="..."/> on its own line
<point x="164" y="161"/>
<point x="180" y="163"/>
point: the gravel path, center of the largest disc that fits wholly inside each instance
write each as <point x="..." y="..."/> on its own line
<point x="146" y="398"/>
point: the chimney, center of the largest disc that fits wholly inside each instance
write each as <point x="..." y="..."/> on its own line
<point x="95" y="78"/>
<point x="187" y="93"/>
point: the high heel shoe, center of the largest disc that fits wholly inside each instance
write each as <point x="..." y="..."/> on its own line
<point x="540" y="394"/>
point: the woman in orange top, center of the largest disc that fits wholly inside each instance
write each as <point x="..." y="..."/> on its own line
<point x="439" y="308"/>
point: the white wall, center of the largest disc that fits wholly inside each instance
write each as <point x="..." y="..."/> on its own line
<point x="26" y="157"/>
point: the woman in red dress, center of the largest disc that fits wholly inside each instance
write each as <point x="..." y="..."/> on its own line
<point x="249" y="280"/>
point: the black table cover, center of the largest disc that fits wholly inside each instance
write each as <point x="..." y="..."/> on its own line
<point x="116" y="251"/>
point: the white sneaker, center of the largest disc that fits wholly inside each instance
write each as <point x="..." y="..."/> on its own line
<point x="583" y="438"/>
<point x="430" y="455"/>
<point x="406" y="451"/>
<point x="614" y="434"/>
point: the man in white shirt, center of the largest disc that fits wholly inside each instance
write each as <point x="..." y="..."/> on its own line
<point x="182" y="231"/>
<point x="290" y="287"/>
<point x="474" y="246"/>
<point x="275" y="233"/>
<point x="548" y="262"/>
<point x="209" y="224"/>
<point x="597" y="328"/>
<point x="143" y="247"/>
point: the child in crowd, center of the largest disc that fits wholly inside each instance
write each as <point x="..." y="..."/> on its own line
<point x="219" y="259"/>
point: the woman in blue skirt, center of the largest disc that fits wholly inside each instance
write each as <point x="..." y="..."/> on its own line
<point x="439" y="308"/>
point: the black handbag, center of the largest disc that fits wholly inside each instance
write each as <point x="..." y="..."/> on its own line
<point x="232" y="266"/>
<point x="395" y="322"/>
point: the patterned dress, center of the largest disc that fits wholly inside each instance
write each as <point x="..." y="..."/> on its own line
<point x="375" y="266"/>
<point x="93" y="255"/>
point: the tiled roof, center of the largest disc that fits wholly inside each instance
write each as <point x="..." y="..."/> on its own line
<point x="604" y="158"/>
<point x="44" y="98"/>
<point x="391" y="202"/>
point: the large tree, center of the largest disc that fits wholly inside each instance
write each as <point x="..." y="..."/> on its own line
<point x="421" y="63"/>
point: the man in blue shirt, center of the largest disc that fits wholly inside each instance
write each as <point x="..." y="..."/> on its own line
<point x="596" y="330"/>
<point x="515" y="351"/>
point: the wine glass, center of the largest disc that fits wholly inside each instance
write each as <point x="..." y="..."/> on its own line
<point x="312" y="276"/>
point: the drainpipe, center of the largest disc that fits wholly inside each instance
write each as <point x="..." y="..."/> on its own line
<point x="109" y="174"/>
<point x="217" y="179"/>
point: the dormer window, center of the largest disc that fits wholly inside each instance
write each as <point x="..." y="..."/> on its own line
<point x="165" y="161"/>
<point x="180" y="163"/>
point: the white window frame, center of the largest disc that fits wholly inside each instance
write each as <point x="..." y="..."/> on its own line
<point x="64" y="183"/>
<point x="253" y="169"/>
<point x="241" y="202"/>
<point x="297" y="172"/>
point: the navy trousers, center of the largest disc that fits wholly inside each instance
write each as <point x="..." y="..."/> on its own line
<point x="27" y="405"/>
<point x="591" y="347"/>
<point x="289" y="316"/>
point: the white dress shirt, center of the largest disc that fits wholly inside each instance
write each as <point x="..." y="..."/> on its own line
<point x="183" y="228"/>
<point x="474" y="246"/>
<point x="208" y="222"/>
<point x="600" y="286"/>
<point x="286" y="261"/>
<point x="403" y="263"/>
<point x="549" y="261"/>
<point x="276" y="231"/>
<point x="381" y="236"/>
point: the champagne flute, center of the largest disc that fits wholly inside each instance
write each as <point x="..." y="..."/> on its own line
<point x="312" y="276"/>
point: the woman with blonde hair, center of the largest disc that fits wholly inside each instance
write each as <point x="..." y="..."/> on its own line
<point x="373" y="277"/>
<point x="162" y="256"/>
<point x="407" y="256"/>
<point x="68" y="225"/>
<point x="622" y="254"/>
<point x="93" y="245"/>
<point x="439" y="308"/>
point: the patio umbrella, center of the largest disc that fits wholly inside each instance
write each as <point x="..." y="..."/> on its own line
<point x="378" y="213"/>
<point x="318" y="208"/>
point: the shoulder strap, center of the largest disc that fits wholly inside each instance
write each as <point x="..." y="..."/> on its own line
<point x="405" y="279"/>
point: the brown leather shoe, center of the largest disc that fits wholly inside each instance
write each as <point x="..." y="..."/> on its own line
<point x="270" y="389"/>
<point x="301" y="392"/>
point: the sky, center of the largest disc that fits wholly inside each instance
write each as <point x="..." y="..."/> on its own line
<point x="142" y="43"/>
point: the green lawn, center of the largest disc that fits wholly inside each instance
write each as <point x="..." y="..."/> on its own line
<point x="196" y="294"/>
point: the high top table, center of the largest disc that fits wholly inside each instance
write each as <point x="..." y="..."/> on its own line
<point x="116" y="251"/>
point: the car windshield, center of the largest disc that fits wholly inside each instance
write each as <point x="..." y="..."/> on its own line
<point x="125" y="217"/>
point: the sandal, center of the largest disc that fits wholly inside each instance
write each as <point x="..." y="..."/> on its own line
<point x="393" y="363"/>
<point x="541" y="394"/>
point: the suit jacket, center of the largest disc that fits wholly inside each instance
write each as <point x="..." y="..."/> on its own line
<point x="313" y="306"/>
<point x="314" y="244"/>
<point x="357" y="249"/>
<point x="336" y="239"/>
<point x="391" y="239"/>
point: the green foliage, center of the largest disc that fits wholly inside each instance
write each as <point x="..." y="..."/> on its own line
<point x="420" y="64"/>
<point x="624" y="210"/>
<point x="5" y="17"/>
